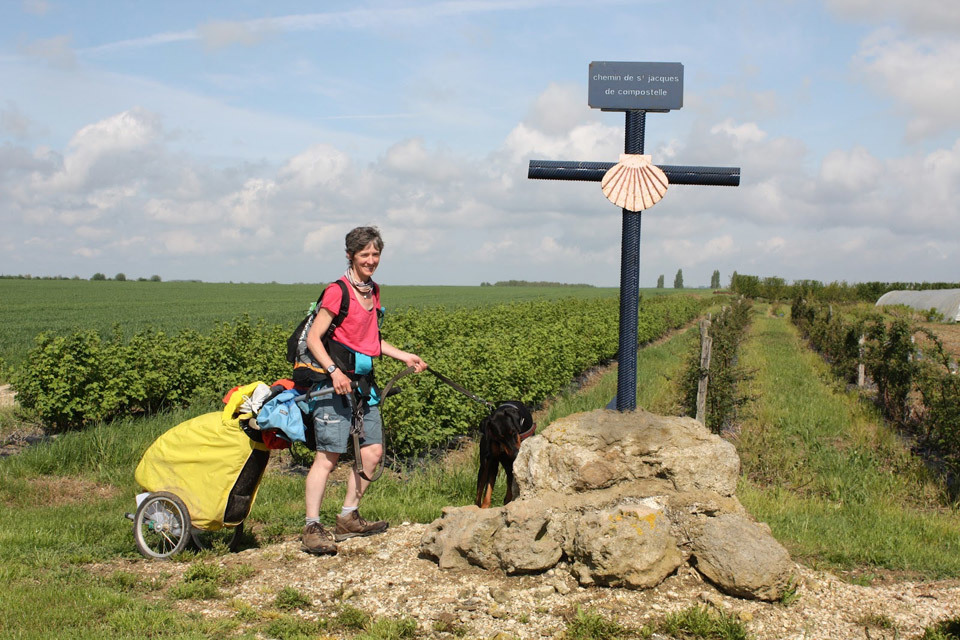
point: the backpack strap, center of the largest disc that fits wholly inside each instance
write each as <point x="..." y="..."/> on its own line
<point x="344" y="307"/>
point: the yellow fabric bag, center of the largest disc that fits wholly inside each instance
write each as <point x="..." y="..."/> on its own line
<point x="210" y="464"/>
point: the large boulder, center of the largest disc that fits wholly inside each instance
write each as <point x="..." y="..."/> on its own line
<point x="741" y="557"/>
<point x="600" y="449"/>
<point x="625" y="499"/>
<point x="627" y="546"/>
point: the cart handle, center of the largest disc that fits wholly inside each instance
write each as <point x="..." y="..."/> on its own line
<point x="321" y="392"/>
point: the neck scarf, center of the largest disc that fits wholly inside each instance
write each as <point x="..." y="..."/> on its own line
<point x="363" y="287"/>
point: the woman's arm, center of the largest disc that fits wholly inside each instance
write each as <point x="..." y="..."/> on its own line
<point x="341" y="383"/>
<point x="409" y="359"/>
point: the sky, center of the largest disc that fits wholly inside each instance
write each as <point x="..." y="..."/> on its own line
<point x="239" y="141"/>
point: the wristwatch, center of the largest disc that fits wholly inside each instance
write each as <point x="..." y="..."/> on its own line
<point x="331" y="369"/>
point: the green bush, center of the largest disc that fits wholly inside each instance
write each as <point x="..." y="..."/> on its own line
<point x="901" y="371"/>
<point x="726" y="375"/>
<point x="525" y="351"/>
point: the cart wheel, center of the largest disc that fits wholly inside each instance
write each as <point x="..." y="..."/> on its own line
<point x="229" y="537"/>
<point x="161" y="525"/>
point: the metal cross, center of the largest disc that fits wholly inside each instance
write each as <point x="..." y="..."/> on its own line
<point x="626" y="399"/>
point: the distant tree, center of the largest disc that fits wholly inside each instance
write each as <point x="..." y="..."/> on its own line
<point x="715" y="279"/>
<point x="98" y="276"/>
<point x="678" y="280"/>
<point x="660" y="282"/>
<point x="733" y="278"/>
<point x="120" y="277"/>
<point x="154" y="278"/>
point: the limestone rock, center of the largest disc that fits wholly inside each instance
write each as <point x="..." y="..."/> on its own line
<point x="624" y="498"/>
<point x="629" y="546"/>
<point x="516" y="539"/>
<point x="742" y="558"/>
<point x="598" y="449"/>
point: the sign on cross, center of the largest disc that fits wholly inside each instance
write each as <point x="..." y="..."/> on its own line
<point x="635" y="88"/>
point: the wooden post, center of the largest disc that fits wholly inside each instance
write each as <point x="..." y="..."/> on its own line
<point x="706" y="345"/>
<point x="861" y="368"/>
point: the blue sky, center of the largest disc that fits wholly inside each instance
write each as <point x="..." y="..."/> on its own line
<point x="230" y="141"/>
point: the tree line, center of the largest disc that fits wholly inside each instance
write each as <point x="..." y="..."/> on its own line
<point x="776" y="288"/>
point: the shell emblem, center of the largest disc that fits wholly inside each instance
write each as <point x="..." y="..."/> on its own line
<point x="634" y="183"/>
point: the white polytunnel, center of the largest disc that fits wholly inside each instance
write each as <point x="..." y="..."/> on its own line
<point x="946" y="301"/>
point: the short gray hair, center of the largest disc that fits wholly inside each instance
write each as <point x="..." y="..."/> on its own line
<point x="360" y="237"/>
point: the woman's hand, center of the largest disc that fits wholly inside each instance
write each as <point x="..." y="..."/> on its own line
<point x="413" y="360"/>
<point x="341" y="382"/>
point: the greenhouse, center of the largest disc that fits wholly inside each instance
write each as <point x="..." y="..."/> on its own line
<point x="945" y="301"/>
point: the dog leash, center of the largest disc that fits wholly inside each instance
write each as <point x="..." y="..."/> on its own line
<point x="356" y="427"/>
<point x="456" y="387"/>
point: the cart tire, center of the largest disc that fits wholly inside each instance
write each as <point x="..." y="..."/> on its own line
<point x="161" y="526"/>
<point x="204" y="540"/>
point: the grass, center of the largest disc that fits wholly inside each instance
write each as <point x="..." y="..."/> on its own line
<point x="658" y="367"/>
<point x="701" y="622"/>
<point x="62" y="505"/>
<point x="836" y="485"/>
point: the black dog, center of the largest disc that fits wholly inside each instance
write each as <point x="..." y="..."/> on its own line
<point x="500" y="436"/>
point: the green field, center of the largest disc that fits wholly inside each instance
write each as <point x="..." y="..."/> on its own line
<point x="62" y="306"/>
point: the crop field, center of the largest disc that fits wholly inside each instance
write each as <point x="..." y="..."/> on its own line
<point x="30" y="307"/>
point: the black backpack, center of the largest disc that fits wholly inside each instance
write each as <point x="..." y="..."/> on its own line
<point x="297" y="342"/>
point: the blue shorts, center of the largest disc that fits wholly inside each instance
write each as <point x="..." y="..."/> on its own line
<point x="332" y="416"/>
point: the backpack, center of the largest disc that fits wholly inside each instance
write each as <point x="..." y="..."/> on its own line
<point x="297" y="342"/>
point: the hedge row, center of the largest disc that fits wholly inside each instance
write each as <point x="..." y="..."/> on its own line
<point x="524" y="351"/>
<point x="775" y="288"/>
<point x="916" y="384"/>
<point x="726" y="375"/>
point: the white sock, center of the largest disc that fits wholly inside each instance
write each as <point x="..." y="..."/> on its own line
<point x="345" y="511"/>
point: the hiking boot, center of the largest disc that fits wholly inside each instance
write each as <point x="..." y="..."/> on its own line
<point x="317" y="540"/>
<point x="353" y="525"/>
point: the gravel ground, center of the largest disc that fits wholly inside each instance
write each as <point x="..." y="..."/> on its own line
<point x="383" y="576"/>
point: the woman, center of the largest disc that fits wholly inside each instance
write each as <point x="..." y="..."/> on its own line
<point x="360" y="334"/>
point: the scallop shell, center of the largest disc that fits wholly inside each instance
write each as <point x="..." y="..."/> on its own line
<point x="633" y="183"/>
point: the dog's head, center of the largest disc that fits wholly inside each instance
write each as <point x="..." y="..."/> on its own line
<point x="508" y="422"/>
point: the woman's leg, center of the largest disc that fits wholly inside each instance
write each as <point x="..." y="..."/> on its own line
<point x="356" y="486"/>
<point x="323" y="464"/>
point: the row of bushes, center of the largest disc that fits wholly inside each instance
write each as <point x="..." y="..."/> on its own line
<point x="775" y="288"/>
<point x="726" y="376"/>
<point x="524" y="351"/>
<point x="915" y="380"/>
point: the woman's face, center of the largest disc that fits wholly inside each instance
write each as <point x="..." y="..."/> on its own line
<point x="365" y="261"/>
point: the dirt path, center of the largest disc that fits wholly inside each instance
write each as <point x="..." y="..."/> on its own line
<point x="383" y="576"/>
<point x="8" y="397"/>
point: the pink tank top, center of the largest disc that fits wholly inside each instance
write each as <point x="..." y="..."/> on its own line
<point x="359" y="329"/>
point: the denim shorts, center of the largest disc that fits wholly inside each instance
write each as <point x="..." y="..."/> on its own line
<point x="332" y="416"/>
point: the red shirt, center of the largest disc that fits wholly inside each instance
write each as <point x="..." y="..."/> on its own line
<point x="359" y="329"/>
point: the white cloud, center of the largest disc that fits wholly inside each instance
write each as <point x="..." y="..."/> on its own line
<point x="741" y="134"/>
<point x="924" y="16"/>
<point x="851" y="172"/>
<point x="14" y="122"/>
<point x="557" y="110"/>
<point x="921" y="74"/>
<point x="101" y="153"/>
<point x="181" y="242"/>
<point x="321" y="166"/>
<point x="325" y="240"/>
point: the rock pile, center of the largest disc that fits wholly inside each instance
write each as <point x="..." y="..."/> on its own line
<point x="625" y="499"/>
